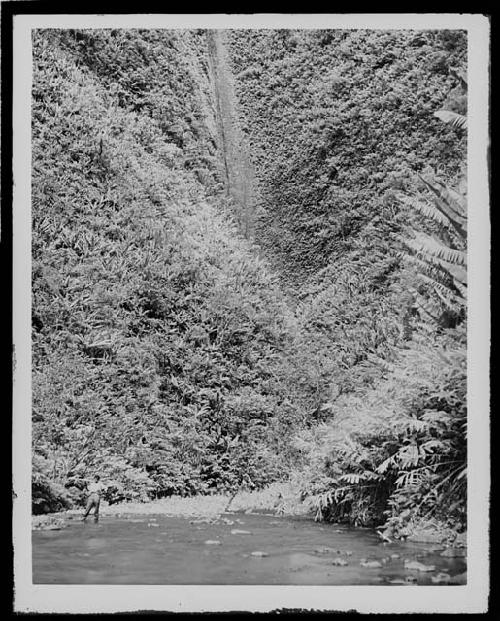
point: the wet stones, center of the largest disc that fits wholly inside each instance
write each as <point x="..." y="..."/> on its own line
<point x="213" y="542"/>
<point x="454" y="552"/>
<point x="417" y="566"/>
<point x="426" y="536"/>
<point x="259" y="554"/>
<point x="227" y="521"/>
<point x="54" y="526"/>
<point x="239" y="531"/>
<point x="407" y="580"/>
<point x="370" y="564"/>
<point x="441" y="578"/>
<point x="339" y="562"/>
<point x="327" y="550"/>
<point x="49" y="524"/>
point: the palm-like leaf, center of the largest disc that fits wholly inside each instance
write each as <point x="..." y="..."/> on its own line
<point x="427" y="209"/>
<point x="452" y="118"/>
<point x="453" y="208"/>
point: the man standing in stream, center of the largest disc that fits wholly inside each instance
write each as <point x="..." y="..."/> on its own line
<point x="95" y="490"/>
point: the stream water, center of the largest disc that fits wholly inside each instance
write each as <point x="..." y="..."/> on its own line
<point x="167" y="550"/>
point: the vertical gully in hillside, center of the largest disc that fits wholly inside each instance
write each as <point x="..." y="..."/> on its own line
<point x="238" y="167"/>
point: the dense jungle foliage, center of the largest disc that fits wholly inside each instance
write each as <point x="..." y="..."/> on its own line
<point x="173" y="356"/>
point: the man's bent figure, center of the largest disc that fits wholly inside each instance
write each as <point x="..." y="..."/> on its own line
<point x="94" y="498"/>
<point x="93" y="501"/>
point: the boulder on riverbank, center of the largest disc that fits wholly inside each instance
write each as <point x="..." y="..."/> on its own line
<point x="454" y="552"/>
<point x="47" y="522"/>
<point x="417" y="566"/>
<point x="427" y="536"/>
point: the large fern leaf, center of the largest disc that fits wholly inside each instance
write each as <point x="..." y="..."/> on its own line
<point x="431" y="251"/>
<point x="427" y="209"/>
<point x="449" y="206"/>
<point x="427" y="245"/>
<point x="452" y="118"/>
<point x="455" y="201"/>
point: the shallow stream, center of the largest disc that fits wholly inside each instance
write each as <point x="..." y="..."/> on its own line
<point x="170" y="550"/>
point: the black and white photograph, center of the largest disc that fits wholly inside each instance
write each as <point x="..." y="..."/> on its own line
<point x="251" y="312"/>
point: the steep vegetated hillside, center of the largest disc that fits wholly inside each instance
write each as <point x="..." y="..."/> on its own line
<point x="158" y="337"/>
<point x="166" y="354"/>
<point x="346" y="144"/>
<point x="337" y="120"/>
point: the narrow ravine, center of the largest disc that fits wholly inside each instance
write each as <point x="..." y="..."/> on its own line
<point x="239" y="171"/>
<point x="235" y="324"/>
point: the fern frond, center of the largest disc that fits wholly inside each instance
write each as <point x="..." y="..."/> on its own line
<point x="434" y="272"/>
<point x="444" y="293"/>
<point x="455" y="201"/>
<point x="428" y="246"/>
<point x="454" y="119"/>
<point x="454" y="210"/>
<point x="426" y="209"/>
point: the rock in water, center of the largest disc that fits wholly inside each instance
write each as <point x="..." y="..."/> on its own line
<point x="426" y="536"/>
<point x="237" y="531"/>
<point x="212" y="542"/>
<point x="454" y="552"/>
<point x="325" y="550"/>
<point x="441" y="578"/>
<point x="228" y="522"/>
<point x="259" y="554"/>
<point x="339" y="562"/>
<point x="417" y="566"/>
<point x="370" y="564"/>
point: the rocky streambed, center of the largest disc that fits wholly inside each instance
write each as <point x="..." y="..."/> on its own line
<point x="233" y="548"/>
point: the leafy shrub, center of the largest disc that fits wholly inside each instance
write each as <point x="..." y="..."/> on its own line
<point x="399" y="450"/>
<point x="47" y="495"/>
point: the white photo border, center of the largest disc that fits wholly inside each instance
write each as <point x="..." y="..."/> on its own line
<point x="470" y="598"/>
